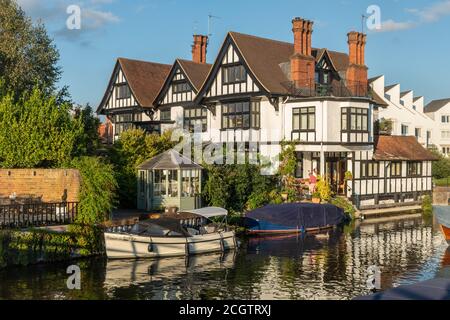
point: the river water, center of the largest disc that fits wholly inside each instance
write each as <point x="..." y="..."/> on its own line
<point x="329" y="265"/>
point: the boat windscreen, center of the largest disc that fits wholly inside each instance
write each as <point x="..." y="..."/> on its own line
<point x="160" y="227"/>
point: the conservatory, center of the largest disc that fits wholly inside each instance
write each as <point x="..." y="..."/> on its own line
<point x="169" y="180"/>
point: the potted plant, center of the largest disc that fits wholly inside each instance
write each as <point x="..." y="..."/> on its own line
<point x="316" y="197"/>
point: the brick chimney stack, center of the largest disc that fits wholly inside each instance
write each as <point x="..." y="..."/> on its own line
<point x="357" y="71"/>
<point x="302" y="62"/>
<point x="199" y="48"/>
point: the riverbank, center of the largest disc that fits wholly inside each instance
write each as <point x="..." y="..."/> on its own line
<point x="36" y="246"/>
<point x="329" y="265"/>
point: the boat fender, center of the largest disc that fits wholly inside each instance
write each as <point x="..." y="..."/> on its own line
<point x="222" y="244"/>
<point x="150" y="246"/>
<point x="187" y="247"/>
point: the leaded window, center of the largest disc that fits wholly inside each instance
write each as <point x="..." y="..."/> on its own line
<point x="304" y="119"/>
<point x="195" y="117"/>
<point x="355" y="120"/>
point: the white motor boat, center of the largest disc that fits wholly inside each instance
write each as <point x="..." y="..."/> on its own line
<point x="171" y="235"/>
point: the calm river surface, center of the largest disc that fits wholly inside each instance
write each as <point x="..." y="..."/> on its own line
<point x="331" y="265"/>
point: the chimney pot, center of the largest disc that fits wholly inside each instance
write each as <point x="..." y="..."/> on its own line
<point x="302" y="62"/>
<point x="199" y="48"/>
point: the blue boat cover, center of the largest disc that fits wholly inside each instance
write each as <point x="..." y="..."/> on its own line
<point x="294" y="216"/>
<point x="443" y="215"/>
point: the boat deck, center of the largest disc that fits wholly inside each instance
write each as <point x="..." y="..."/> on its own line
<point x="435" y="289"/>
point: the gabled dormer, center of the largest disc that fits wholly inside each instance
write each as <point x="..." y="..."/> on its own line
<point x="231" y="75"/>
<point x="133" y="85"/>
<point x="325" y="70"/>
<point x="182" y="84"/>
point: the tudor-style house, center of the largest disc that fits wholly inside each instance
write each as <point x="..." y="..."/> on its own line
<point x="260" y="92"/>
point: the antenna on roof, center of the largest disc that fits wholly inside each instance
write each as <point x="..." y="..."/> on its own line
<point x="210" y="18"/>
<point x="363" y="18"/>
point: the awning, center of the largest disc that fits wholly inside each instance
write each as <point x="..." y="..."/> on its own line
<point x="209" y="212"/>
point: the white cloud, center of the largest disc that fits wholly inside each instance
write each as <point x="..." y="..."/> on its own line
<point x="434" y="12"/>
<point x="94" y="19"/>
<point x="391" y="25"/>
<point x="94" y="16"/>
<point x="430" y="14"/>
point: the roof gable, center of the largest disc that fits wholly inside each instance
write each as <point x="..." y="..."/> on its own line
<point x="228" y="44"/>
<point x="144" y="78"/>
<point x="194" y="73"/>
<point x="435" y="105"/>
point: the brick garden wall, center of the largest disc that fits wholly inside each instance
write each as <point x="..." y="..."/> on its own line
<point x="48" y="183"/>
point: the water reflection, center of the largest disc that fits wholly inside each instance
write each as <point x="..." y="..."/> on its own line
<point x="329" y="265"/>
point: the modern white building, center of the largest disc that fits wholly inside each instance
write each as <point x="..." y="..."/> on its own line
<point x="439" y="111"/>
<point x="406" y="112"/>
<point x="259" y="92"/>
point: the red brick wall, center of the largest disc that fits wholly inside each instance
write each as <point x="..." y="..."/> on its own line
<point x="48" y="183"/>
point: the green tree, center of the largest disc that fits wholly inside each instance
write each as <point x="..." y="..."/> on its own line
<point x="98" y="189"/>
<point x="28" y="56"/>
<point x="134" y="147"/>
<point x="441" y="167"/>
<point x="88" y="139"/>
<point x="36" y="131"/>
<point x="237" y="187"/>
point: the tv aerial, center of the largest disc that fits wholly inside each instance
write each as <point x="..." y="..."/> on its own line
<point x="210" y="21"/>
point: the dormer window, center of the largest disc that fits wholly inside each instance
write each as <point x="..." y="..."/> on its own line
<point x="234" y="73"/>
<point x="181" y="87"/>
<point x="323" y="73"/>
<point x="402" y="102"/>
<point x="123" y="91"/>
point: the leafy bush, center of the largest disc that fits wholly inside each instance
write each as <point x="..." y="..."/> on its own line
<point x="134" y="147"/>
<point x="324" y="189"/>
<point x="275" y="197"/>
<point x="441" y="168"/>
<point x="98" y="190"/>
<point x="236" y="187"/>
<point x="427" y="205"/>
<point x="346" y="205"/>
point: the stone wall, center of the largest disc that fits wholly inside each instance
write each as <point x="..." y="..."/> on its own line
<point x="441" y="196"/>
<point x="48" y="183"/>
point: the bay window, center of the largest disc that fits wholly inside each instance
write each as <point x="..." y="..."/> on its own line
<point x="304" y="119"/>
<point x="355" y="120"/>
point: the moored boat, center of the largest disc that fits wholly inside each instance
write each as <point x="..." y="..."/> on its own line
<point x="188" y="233"/>
<point x="293" y="218"/>
<point x="442" y="214"/>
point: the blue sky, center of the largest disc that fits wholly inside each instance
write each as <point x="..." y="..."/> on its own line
<point x="411" y="48"/>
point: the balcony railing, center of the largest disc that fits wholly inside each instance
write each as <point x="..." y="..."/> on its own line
<point x="335" y="89"/>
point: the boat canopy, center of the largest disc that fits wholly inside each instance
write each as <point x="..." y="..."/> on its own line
<point x="294" y="216"/>
<point x="442" y="214"/>
<point x="209" y="212"/>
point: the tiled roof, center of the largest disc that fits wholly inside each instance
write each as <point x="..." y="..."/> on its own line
<point x="144" y="78"/>
<point x="265" y="57"/>
<point x="435" y="105"/>
<point x="169" y="160"/>
<point x="400" y="148"/>
<point x="196" y="72"/>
